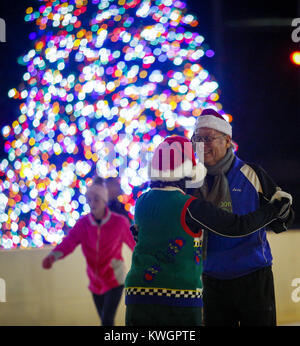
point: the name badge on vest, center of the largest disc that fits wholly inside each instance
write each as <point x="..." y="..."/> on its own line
<point x="198" y="248"/>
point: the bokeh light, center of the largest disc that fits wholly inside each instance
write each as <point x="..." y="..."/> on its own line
<point x="106" y="81"/>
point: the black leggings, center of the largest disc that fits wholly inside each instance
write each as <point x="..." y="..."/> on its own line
<point x="107" y="305"/>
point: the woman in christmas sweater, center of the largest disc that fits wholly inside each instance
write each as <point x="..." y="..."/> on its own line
<point x="101" y="235"/>
<point x="163" y="286"/>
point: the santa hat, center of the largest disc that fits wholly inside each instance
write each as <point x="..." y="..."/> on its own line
<point x="213" y="120"/>
<point x="174" y="159"/>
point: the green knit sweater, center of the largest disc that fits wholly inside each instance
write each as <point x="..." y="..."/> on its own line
<point x="166" y="263"/>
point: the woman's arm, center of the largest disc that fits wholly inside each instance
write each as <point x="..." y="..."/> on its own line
<point x="203" y="214"/>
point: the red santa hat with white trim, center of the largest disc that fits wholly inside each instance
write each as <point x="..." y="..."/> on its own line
<point x="213" y="120"/>
<point x="173" y="160"/>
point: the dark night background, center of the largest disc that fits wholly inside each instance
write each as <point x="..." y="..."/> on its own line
<point x="259" y="85"/>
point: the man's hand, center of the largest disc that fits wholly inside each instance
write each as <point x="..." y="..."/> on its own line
<point x="284" y="201"/>
<point x="281" y="194"/>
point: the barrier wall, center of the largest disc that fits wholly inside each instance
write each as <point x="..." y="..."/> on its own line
<point x="30" y="295"/>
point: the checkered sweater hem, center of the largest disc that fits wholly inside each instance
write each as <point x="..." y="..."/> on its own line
<point x="163" y="296"/>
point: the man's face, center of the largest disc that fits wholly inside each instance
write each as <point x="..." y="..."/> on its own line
<point x="214" y="149"/>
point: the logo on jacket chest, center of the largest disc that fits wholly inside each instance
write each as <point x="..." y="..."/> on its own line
<point x="226" y="205"/>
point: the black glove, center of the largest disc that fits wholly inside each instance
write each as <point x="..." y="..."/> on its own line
<point x="135" y="232"/>
<point x="279" y="225"/>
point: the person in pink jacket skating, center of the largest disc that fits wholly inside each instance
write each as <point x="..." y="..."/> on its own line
<point x="101" y="234"/>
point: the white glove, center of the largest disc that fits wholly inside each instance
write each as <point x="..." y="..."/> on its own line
<point x="281" y="194"/>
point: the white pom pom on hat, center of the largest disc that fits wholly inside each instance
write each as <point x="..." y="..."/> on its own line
<point x="213" y="120"/>
<point x="173" y="160"/>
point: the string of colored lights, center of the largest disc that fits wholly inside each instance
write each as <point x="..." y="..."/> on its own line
<point x="106" y="81"/>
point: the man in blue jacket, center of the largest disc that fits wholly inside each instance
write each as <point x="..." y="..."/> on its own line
<point x="238" y="286"/>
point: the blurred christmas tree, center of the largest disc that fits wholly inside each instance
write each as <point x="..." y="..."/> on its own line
<point x="106" y="81"/>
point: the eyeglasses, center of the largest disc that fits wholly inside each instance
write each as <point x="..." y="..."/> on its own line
<point x="205" y="139"/>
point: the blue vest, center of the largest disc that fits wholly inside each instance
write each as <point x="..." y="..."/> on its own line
<point x="229" y="258"/>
